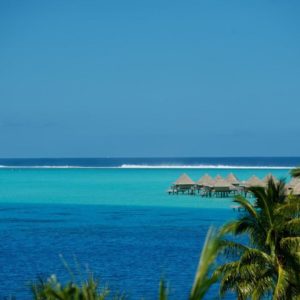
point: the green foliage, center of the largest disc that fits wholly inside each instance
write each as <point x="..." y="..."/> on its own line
<point x="52" y="289"/>
<point x="270" y="265"/>
<point x="203" y="279"/>
<point x="163" y="291"/>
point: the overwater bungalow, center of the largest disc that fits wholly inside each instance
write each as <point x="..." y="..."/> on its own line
<point x="293" y="182"/>
<point x="251" y="182"/>
<point x="205" y="184"/>
<point x="205" y="180"/>
<point x="219" y="187"/>
<point x="183" y="184"/>
<point x="254" y="181"/>
<point x="232" y="179"/>
<point x="296" y="189"/>
<point x="293" y="186"/>
<point x="222" y="187"/>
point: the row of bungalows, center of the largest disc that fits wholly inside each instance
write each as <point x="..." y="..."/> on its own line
<point x="207" y="186"/>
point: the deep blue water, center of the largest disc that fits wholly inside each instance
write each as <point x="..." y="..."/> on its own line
<point x="130" y="248"/>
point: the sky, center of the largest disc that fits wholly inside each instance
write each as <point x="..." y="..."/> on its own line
<point x="149" y="78"/>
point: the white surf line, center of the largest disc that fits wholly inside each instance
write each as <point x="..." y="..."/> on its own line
<point x="125" y="166"/>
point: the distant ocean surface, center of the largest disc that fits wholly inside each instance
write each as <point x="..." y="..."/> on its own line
<point x="114" y="217"/>
<point x="175" y="162"/>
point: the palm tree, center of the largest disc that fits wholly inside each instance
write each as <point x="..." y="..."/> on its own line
<point x="270" y="265"/>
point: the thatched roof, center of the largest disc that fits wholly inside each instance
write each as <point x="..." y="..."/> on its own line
<point x="254" y="181"/>
<point x="184" y="179"/>
<point x="220" y="183"/>
<point x="205" y="180"/>
<point x="293" y="182"/>
<point x="296" y="189"/>
<point x="231" y="178"/>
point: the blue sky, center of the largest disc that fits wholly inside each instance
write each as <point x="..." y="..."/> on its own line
<point x="149" y="78"/>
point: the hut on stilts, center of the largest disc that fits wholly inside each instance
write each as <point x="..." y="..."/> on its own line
<point x="184" y="184"/>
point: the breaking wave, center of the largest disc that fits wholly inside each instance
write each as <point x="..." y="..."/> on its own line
<point x="147" y="166"/>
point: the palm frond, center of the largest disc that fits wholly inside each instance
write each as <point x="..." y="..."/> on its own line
<point x="203" y="280"/>
<point x="291" y="243"/>
<point x="281" y="285"/>
<point x="163" y="291"/>
<point x="253" y="255"/>
<point x="244" y="203"/>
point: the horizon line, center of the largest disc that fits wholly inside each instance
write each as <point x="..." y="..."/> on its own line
<point x="154" y="157"/>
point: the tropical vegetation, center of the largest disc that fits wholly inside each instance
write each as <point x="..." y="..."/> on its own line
<point x="268" y="265"/>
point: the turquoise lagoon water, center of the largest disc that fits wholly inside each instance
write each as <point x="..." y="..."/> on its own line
<point x="119" y="223"/>
<point x="142" y="187"/>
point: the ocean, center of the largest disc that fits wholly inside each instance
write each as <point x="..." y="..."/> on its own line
<point x="112" y="217"/>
